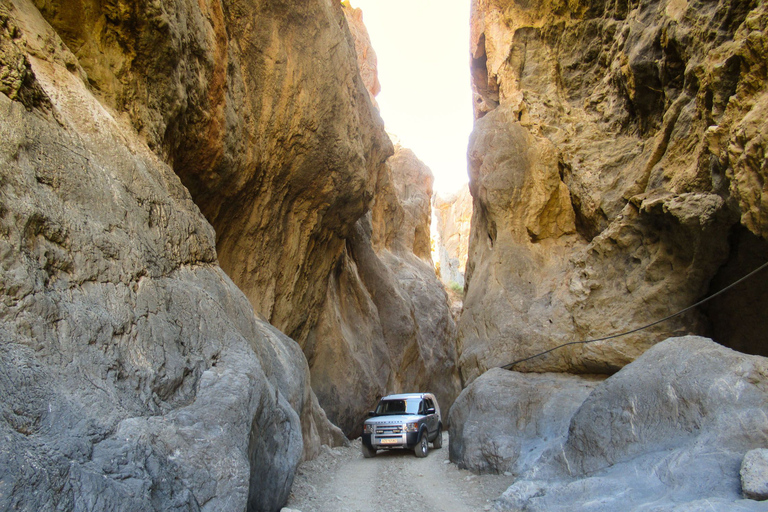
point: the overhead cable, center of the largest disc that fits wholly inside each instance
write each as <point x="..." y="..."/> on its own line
<point x="618" y="335"/>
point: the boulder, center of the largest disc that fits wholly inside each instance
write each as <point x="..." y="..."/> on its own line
<point x="505" y="422"/>
<point x="669" y="431"/>
<point x="754" y="474"/>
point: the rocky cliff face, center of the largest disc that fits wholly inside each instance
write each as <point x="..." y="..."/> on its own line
<point x="260" y="109"/>
<point x="454" y="216"/>
<point x="182" y="186"/>
<point x="617" y="167"/>
<point x="386" y="320"/>
<point x="135" y="374"/>
<point x="366" y="56"/>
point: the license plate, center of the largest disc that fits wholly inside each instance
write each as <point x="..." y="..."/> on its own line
<point x="389" y="441"/>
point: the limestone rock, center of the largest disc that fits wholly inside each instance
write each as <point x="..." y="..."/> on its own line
<point x="260" y="109"/>
<point x="135" y="375"/>
<point x="387" y="321"/>
<point x="402" y="213"/>
<point x="454" y="215"/>
<point x="685" y="392"/>
<point x="507" y="421"/>
<point x="366" y="56"/>
<point x="669" y="430"/>
<point x="754" y="474"/>
<point x="614" y="168"/>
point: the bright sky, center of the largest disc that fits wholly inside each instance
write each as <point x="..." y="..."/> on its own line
<point x="422" y="48"/>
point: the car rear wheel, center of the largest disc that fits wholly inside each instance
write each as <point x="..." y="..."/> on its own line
<point x="438" y="442"/>
<point x="422" y="448"/>
<point x="368" y="452"/>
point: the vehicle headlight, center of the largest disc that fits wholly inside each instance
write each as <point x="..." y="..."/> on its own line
<point x="411" y="427"/>
<point x="368" y="428"/>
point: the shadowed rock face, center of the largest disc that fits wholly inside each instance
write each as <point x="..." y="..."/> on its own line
<point x="261" y="110"/>
<point x="616" y="164"/>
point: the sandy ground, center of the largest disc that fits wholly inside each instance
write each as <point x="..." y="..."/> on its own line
<point x="341" y="480"/>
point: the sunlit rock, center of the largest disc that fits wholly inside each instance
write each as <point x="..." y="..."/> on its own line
<point x="616" y="177"/>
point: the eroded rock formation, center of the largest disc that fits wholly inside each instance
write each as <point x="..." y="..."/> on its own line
<point x="617" y="165"/>
<point x="135" y="374"/>
<point x="147" y="148"/>
<point x="260" y="109"/>
<point x="386" y="321"/>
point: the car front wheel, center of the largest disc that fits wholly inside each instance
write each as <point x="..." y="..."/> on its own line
<point x="423" y="447"/>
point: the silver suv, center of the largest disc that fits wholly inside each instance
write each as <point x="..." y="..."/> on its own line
<point x="409" y="421"/>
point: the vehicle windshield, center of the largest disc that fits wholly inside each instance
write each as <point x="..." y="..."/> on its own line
<point x="409" y="406"/>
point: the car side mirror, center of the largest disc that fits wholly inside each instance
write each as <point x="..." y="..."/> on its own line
<point x="431" y="410"/>
<point x="371" y="414"/>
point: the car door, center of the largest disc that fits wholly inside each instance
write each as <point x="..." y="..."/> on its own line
<point x="432" y="420"/>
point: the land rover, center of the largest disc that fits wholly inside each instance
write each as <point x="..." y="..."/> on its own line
<point x="406" y="421"/>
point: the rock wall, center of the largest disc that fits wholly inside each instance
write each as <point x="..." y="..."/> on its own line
<point x="366" y="56"/>
<point x="259" y="107"/>
<point x="386" y="320"/>
<point x="617" y="168"/>
<point x="135" y="374"/>
<point x="454" y="216"/>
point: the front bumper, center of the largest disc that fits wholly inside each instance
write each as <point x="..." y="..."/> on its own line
<point x="385" y="441"/>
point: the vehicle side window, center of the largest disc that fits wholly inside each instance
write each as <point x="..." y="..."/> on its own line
<point x="422" y="407"/>
<point x="429" y="405"/>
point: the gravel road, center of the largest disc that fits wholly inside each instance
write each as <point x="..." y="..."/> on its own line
<point x="341" y="480"/>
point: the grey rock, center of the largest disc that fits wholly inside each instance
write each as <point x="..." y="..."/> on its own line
<point x="684" y="393"/>
<point x="668" y="432"/>
<point x="134" y="375"/>
<point x="507" y="421"/>
<point x="754" y="474"/>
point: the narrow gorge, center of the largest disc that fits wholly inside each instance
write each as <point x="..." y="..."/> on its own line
<point x="214" y="260"/>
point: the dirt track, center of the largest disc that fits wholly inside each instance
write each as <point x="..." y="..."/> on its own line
<point x="341" y="480"/>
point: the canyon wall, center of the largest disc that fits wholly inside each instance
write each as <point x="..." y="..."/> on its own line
<point x="385" y="326"/>
<point x="453" y="215"/>
<point x="617" y="167"/>
<point x="187" y="188"/>
<point x="136" y="375"/>
<point x="617" y="171"/>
